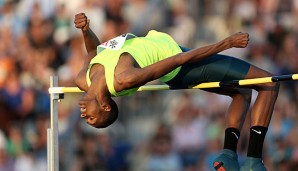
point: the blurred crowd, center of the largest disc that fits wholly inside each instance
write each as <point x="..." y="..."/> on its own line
<point x="156" y="131"/>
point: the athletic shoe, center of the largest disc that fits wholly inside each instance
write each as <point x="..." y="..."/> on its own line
<point x="253" y="164"/>
<point x="226" y="161"/>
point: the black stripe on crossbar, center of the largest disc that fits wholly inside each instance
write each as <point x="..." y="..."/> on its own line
<point x="234" y="83"/>
<point x="282" y="78"/>
<point x="173" y="88"/>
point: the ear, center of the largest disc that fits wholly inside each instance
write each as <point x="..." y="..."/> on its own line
<point x="106" y="107"/>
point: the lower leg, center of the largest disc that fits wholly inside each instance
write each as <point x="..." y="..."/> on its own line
<point x="265" y="101"/>
<point x="261" y="112"/>
<point x="235" y="118"/>
<point x="260" y="119"/>
<point x="228" y="159"/>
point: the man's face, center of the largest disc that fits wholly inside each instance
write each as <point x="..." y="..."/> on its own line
<point x="90" y="111"/>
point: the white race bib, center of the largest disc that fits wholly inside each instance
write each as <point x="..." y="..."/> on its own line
<point x="117" y="42"/>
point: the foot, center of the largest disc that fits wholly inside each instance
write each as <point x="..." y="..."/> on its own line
<point x="253" y="164"/>
<point x="226" y="161"/>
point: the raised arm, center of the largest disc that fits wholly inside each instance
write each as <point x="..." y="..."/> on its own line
<point x="139" y="76"/>
<point x="91" y="41"/>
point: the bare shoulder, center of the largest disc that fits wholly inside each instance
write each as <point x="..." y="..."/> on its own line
<point x="80" y="80"/>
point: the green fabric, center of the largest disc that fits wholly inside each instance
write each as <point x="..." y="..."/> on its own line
<point x="154" y="47"/>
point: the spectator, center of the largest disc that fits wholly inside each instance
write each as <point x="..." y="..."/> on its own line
<point x="161" y="156"/>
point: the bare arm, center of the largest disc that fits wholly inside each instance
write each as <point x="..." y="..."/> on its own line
<point x="139" y="76"/>
<point x="91" y="41"/>
<point x="238" y="40"/>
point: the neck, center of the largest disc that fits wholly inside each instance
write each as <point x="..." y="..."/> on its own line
<point x="98" y="88"/>
<point x="103" y="100"/>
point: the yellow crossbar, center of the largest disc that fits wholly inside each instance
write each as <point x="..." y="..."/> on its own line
<point x="59" y="90"/>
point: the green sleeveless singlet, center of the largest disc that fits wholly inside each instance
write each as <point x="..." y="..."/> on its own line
<point x="154" y="47"/>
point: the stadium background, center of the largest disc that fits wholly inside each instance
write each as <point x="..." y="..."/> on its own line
<point x="156" y="131"/>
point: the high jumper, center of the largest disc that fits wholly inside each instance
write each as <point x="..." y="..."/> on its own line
<point x="121" y="65"/>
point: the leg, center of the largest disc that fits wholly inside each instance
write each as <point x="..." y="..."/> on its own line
<point x="236" y="114"/>
<point x="221" y="68"/>
<point x="238" y="108"/>
<point x="241" y="98"/>
<point x="267" y="95"/>
<point x="260" y="119"/>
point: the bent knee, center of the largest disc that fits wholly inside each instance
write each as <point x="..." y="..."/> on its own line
<point x="244" y="94"/>
<point x="270" y="86"/>
<point x="276" y="85"/>
<point x="255" y="72"/>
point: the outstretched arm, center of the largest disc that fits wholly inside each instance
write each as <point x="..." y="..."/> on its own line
<point x="91" y="41"/>
<point x="139" y="76"/>
<point x="238" y="40"/>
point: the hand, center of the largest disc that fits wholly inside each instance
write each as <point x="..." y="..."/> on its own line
<point x="81" y="21"/>
<point x="239" y="40"/>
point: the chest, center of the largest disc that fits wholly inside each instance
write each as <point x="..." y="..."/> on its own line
<point x="125" y="63"/>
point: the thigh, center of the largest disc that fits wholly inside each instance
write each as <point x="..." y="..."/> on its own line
<point x="212" y="69"/>
<point x="226" y="68"/>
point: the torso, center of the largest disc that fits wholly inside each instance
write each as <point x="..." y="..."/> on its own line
<point x="126" y="62"/>
<point x="155" y="46"/>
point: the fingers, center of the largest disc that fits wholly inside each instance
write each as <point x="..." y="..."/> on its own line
<point x="80" y="14"/>
<point x="245" y="40"/>
<point x="246" y="35"/>
<point x="85" y="28"/>
<point x="241" y="40"/>
<point x="81" y="21"/>
<point x="80" y="25"/>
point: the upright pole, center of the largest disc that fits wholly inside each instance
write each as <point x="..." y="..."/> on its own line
<point x="53" y="161"/>
<point x="49" y="149"/>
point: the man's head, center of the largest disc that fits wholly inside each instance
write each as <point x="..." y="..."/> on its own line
<point x="99" y="115"/>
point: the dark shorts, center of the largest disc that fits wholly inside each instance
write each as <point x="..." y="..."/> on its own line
<point x="214" y="68"/>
